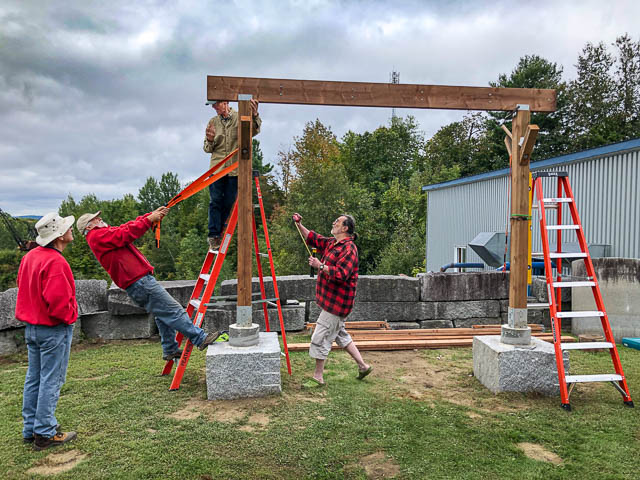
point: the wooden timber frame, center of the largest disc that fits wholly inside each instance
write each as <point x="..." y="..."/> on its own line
<point x="519" y="142"/>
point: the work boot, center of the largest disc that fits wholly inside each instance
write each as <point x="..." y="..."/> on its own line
<point x="32" y="438"/>
<point x="214" y="243"/>
<point x="41" y="443"/>
<point x="209" y="339"/>
<point x="173" y="356"/>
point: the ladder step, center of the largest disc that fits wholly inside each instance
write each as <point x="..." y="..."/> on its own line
<point x="567" y="255"/>
<point x="195" y="302"/>
<point x="557" y="200"/>
<point x="537" y="305"/>
<point x="563" y="227"/>
<point x="266" y="300"/>
<point x="205" y="276"/>
<point x="607" y="377"/>
<point x="573" y="284"/>
<point x="585" y="346"/>
<point x="595" y="313"/>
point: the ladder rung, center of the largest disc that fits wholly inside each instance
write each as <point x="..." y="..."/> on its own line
<point x="215" y="252"/>
<point x="563" y="227"/>
<point x="595" y="313"/>
<point x="195" y="302"/>
<point x="585" y="345"/>
<point x="537" y="305"/>
<point x="264" y="254"/>
<point x="573" y="284"/>
<point x="548" y="207"/>
<point x="607" y="377"/>
<point x="205" y="276"/>
<point x="557" y="200"/>
<point x="567" y="255"/>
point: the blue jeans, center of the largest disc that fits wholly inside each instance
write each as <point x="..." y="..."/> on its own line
<point x="48" y="349"/>
<point x="222" y="195"/>
<point x="170" y="316"/>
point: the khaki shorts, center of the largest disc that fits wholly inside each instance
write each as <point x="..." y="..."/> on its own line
<point x="329" y="329"/>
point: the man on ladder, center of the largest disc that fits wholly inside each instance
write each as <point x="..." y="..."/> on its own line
<point x="131" y="271"/>
<point x="335" y="292"/>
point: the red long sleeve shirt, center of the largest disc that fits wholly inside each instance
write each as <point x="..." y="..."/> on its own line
<point x="114" y="249"/>
<point x="46" y="289"/>
<point x="336" y="285"/>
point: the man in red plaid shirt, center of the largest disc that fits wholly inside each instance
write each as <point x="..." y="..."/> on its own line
<point x="335" y="292"/>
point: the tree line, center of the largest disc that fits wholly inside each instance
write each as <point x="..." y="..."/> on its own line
<point x="377" y="176"/>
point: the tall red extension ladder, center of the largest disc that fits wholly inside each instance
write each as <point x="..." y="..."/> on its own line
<point x="555" y="286"/>
<point x="206" y="282"/>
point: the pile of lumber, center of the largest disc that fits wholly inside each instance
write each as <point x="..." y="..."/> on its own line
<point x="382" y="339"/>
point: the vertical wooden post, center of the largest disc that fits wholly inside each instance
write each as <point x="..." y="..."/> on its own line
<point x="244" y="332"/>
<point x="516" y="331"/>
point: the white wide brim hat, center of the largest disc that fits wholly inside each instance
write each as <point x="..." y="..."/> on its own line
<point x="52" y="226"/>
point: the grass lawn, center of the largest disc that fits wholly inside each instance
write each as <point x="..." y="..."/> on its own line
<point x="420" y="414"/>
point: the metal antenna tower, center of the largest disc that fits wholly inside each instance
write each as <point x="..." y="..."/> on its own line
<point x="394" y="77"/>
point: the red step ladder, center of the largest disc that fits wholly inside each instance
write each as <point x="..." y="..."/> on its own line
<point x="555" y="286"/>
<point x="206" y="282"/>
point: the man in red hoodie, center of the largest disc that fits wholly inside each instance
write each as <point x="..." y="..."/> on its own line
<point x="47" y="304"/>
<point x="130" y="270"/>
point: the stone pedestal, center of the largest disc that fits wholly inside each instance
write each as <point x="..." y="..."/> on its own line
<point x="513" y="368"/>
<point x="242" y="372"/>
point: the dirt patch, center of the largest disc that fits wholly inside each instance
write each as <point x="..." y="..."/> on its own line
<point x="301" y="397"/>
<point x="378" y="465"/>
<point x="58" y="463"/>
<point x="473" y="415"/>
<point x="228" y="411"/>
<point x="538" y="452"/>
<point x="437" y="375"/>
<point x="190" y="411"/>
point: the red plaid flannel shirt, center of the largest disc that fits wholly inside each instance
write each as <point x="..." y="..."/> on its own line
<point x="336" y="285"/>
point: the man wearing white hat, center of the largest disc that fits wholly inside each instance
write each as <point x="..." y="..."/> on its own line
<point x="131" y="271"/>
<point x="47" y="304"/>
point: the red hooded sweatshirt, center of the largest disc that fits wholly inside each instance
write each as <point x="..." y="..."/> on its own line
<point x="113" y="247"/>
<point x="46" y="289"/>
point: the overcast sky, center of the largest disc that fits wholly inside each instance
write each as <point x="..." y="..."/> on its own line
<point x="97" y="96"/>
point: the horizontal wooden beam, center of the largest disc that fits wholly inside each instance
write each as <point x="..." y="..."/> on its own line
<point x="358" y="94"/>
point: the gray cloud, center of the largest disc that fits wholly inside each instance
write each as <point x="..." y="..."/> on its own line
<point x="97" y="96"/>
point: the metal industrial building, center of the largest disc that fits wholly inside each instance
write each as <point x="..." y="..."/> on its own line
<point x="605" y="182"/>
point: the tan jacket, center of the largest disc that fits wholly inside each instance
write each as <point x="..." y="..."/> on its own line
<point x="226" y="139"/>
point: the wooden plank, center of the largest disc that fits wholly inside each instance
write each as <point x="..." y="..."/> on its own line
<point x="382" y="338"/>
<point x="245" y="206"/>
<point x="414" y="344"/>
<point x="361" y="94"/>
<point x="360" y="325"/>
<point x="529" y="142"/>
<point x="506" y="130"/>
<point x="507" y="143"/>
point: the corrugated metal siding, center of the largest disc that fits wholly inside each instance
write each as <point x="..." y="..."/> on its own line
<point x="606" y="192"/>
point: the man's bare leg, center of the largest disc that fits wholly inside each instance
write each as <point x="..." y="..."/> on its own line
<point x="355" y="354"/>
<point x="319" y="370"/>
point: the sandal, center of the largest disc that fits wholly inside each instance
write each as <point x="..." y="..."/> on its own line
<point x="313" y="383"/>
<point x="364" y="373"/>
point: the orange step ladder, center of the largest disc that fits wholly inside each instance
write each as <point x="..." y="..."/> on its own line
<point x="206" y="282"/>
<point x="554" y="288"/>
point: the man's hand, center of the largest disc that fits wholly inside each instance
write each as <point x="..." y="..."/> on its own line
<point x="254" y="107"/>
<point x="296" y="217"/>
<point x="211" y="132"/>
<point x="158" y="214"/>
<point x="315" y="262"/>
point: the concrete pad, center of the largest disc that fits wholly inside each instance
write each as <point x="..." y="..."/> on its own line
<point x="105" y="326"/>
<point x="244" y="372"/>
<point x="447" y="287"/>
<point x="91" y="295"/>
<point x="511" y="368"/>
